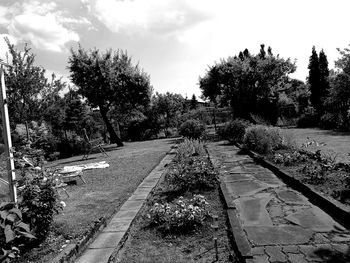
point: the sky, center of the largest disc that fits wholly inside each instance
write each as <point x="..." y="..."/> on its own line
<point x="175" y="41"/>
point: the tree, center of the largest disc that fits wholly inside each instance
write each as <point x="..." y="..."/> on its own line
<point x="109" y="80"/>
<point x="167" y="107"/>
<point x="24" y="82"/>
<point x="314" y="81"/>
<point x="324" y="75"/>
<point x="249" y="83"/>
<point x="194" y="102"/>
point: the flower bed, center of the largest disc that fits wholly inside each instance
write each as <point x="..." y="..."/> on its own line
<point x="175" y="224"/>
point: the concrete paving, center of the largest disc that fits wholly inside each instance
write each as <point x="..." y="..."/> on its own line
<point x="276" y="223"/>
<point x="116" y="230"/>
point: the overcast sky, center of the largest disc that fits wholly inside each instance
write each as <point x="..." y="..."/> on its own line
<point x="175" y="40"/>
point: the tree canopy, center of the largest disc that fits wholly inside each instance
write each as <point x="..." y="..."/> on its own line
<point x="109" y="80"/>
<point x="249" y="83"/>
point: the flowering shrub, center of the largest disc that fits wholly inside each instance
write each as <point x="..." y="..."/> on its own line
<point x="39" y="199"/>
<point x="194" y="173"/>
<point x="180" y="215"/>
<point x="289" y="158"/>
<point x="314" y="173"/>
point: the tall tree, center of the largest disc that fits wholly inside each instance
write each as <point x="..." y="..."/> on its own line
<point x="324" y="75"/>
<point x="109" y="80"/>
<point x="314" y="81"/>
<point x="194" y="102"/>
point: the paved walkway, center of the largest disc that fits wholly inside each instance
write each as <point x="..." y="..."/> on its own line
<point x="108" y="241"/>
<point x="272" y="222"/>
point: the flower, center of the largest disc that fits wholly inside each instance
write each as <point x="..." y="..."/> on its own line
<point x="63" y="204"/>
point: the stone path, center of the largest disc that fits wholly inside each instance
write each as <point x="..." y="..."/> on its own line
<point x="106" y="243"/>
<point x="271" y="222"/>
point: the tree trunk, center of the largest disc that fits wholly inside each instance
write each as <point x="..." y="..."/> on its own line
<point x="113" y="135"/>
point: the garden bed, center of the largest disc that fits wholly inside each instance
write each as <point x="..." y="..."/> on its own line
<point x="105" y="191"/>
<point x="325" y="176"/>
<point x="148" y="243"/>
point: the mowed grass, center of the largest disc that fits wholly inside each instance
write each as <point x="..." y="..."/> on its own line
<point x="102" y="195"/>
<point x="107" y="189"/>
<point x="337" y="143"/>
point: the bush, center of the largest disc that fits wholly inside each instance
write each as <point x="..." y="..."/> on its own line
<point x="263" y="139"/>
<point x="192" y="129"/>
<point x="181" y="215"/>
<point x="233" y="131"/>
<point x="192" y="174"/>
<point x="328" y="121"/>
<point x="39" y="199"/>
<point x="309" y="119"/>
<point x="189" y="148"/>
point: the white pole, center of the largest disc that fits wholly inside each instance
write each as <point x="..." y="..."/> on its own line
<point x="7" y="138"/>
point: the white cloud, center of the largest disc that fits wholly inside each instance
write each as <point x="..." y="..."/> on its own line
<point x="140" y="16"/>
<point x="41" y="24"/>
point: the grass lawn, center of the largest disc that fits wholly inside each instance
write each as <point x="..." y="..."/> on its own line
<point x="336" y="142"/>
<point x="104" y="192"/>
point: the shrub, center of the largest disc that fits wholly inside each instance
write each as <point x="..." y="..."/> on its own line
<point x="308" y="119"/>
<point x="192" y="129"/>
<point x="39" y="199"/>
<point x="189" y="148"/>
<point x="263" y="139"/>
<point x="328" y="121"/>
<point x="181" y="215"/>
<point x="233" y="131"/>
<point x="193" y="173"/>
<point x="289" y="158"/>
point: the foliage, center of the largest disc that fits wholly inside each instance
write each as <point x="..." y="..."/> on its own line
<point x="182" y="215"/>
<point x="249" y="83"/>
<point x="233" y="131"/>
<point x="194" y="102"/>
<point x="39" y="199"/>
<point x="13" y="231"/>
<point x="109" y="80"/>
<point x="24" y="82"/>
<point x="314" y="173"/>
<point x="289" y="158"/>
<point x="263" y="139"/>
<point x="167" y="107"/>
<point x="192" y="173"/>
<point x="192" y="129"/>
<point x="189" y="148"/>
<point x="308" y="119"/>
<point x="329" y="121"/>
<point x="200" y="114"/>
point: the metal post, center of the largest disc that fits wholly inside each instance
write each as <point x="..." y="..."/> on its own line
<point x="7" y="137"/>
<point x="215" y="226"/>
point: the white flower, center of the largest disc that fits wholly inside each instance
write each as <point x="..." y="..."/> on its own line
<point x="44" y="179"/>
<point x="63" y="204"/>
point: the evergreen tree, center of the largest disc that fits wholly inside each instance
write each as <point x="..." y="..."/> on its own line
<point x="194" y="102"/>
<point x="324" y="74"/>
<point x="314" y="81"/>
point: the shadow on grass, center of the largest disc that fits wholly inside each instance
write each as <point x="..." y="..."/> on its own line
<point x="329" y="256"/>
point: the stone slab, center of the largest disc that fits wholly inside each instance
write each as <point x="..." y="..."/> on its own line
<point x="291" y="197"/>
<point x="107" y="240"/>
<point x="297" y="258"/>
<point x="275" y="254"/>
<point x="95" y="255"/>
<point x="277" y="235"/>
<point x="236" y="177"/>
<point x="126" y="214"/>
<point x="252" y="210"/>
<point x="131" y="205"/>
<point x="117" y="225"/>
<point x="268" y="178"/>
<point x="245" y="188"/>
<point x="315" y="219"/>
